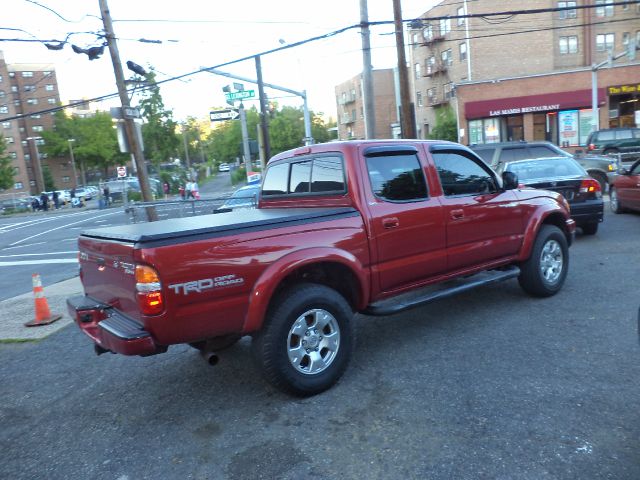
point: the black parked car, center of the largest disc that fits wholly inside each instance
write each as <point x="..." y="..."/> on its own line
<point x="599" y="167"/>
<point x="566" y="176"/>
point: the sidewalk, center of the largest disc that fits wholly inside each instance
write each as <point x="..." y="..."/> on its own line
<point x="15" y="312"/>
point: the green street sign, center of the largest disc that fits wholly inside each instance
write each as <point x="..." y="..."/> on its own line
<point x="240" y="95"/>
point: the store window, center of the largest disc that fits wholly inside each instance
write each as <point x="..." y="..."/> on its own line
<point x="486" y="130"/>
<point x="514" y="128"/>
<point x="605" y="41"/>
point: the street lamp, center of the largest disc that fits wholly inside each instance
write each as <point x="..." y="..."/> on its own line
<point x="71" y="141"/>
<point x="35" y="161"/>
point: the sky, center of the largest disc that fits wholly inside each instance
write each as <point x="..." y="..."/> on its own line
<point x="205" y="33"/>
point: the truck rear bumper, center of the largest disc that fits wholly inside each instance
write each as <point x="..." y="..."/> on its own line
<point x="110" y="329"/>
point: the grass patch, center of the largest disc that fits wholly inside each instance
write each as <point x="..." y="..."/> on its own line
<point x="19" y="340"/>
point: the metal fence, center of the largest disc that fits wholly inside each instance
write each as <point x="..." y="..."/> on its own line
<point x="168" y="209"/>
<point x="625" y="158"/>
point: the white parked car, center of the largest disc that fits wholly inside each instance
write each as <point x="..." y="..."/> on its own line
<point x="224" y="167"/>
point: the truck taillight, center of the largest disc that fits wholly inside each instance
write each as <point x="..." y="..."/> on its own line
<point x="591" y="147"/>
<point x="149" y="290"/>
<point x="590" y="186"/>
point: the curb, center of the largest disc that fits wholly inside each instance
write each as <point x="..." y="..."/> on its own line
<point x="14" y="312"/>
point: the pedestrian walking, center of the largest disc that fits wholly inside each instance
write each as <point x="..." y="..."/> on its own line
<point x="56" y="200"/>
<point x="105" y="192"/>
<point x="44" y="201"/>
<point x="181" y="190"/>
<point x="165" y="187"/>
<point x="194" y="190"/>
<point x="189" y="190"/>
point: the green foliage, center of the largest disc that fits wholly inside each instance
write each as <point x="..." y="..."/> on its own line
<point x="6" y="168"/>
<point x="95" y="145"/>
<point x="239" y="175"/>
<point x="159" y="131"/>
<point x="49" y="183"/>
<point x="446" y="127"/>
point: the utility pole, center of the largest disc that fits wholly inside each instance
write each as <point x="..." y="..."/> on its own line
<point x="406" y="117"/>
<point x="187" y="160"/>
<point x="245" y="138"/>
<point x="73" y="162"/>
<point x="367" y="74"/>
<point x="264" y="126"/>
<point x="129" y="125"/>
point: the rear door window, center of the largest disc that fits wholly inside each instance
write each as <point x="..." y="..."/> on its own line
<point x="623" y="134"/>
<point x="397" y="178"/>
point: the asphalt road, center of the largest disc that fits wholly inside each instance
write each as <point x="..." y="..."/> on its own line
<point x="46" y="242"/>
<point x="491" y="384"/>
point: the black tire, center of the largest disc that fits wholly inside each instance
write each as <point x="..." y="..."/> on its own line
<point x="590" y="228"/>
<point x="614" y="203"/>
<point x="551" y="244"/>
<point x="285" y="351"/>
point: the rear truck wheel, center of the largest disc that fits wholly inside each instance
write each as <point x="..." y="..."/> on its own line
<point x="543" y="274"/>
<point x="590" y="228"/>
<point x="614" y="203"/>
<point x="601" y="178"/>
<point x="306" y="341"/>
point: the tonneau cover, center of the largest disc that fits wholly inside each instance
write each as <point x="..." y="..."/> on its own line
<point x="216" y="224"/>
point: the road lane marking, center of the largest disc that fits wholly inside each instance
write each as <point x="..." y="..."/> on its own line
<point x="59" y="228"/>
<point x="38" y="262"/>
<point x="25" y="246"/>
<point x="71" y="252"/>
<point x="35" y="221"/>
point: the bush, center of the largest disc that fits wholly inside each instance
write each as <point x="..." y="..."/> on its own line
<point x="238" y="175"/>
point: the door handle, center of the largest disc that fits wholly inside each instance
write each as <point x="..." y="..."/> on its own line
<point x="391" y="222"/>
<point x="457" y="214"/>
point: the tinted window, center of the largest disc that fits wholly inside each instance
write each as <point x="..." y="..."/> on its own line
<point x="546" y="168"/>
<point x="300" y="174"/>
<point x="460" y="175"/>
<point x="276" y="180"/>
<point x="636" y="133"/>
<point x="327" y="175"/>
<point x="510" y="154"/>
<point x="605" y="135"/>
<point x="486" y="154"/>
<point x="623" y="134"/>
<point x="397" y="177"/>
<point x="541" y="151"/>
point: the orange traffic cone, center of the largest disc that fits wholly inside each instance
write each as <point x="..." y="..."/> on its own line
<point x="43" y="314"/>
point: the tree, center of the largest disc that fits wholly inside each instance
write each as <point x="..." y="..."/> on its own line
<point x="446" y="127"/>
<point x="159" y="130"/>
<point x="6" y="167"/>
<point x="96" y="143"/>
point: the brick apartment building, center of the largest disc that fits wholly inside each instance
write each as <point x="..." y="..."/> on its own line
<point x="531" y="85"/>
<point x="350" y="106"/>
<point x="27" y="89"/>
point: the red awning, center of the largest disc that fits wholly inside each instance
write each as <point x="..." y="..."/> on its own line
<point x="532" y="103"/>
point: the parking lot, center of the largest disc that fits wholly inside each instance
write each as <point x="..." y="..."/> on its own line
<point x="488" y="384"/>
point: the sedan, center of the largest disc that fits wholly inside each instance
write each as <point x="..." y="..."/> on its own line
<point x="224" y="167"/>
<point x="245" y="197"/>
<point x="624" y="190"/>
<point x="566" y="176"/>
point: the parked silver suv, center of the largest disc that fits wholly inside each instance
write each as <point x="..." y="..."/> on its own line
<point x="599" y="167"/>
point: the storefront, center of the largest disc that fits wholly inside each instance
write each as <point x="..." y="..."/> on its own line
<point x="624" y="105"/>
<point x="564" y="118"/>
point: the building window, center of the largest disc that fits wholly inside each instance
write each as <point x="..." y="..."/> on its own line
<point x="625" y="7"/>
<point x="431" y="95"/>
<point x="27" y="156"/>
<point x="417" y="71"/>
<point x="419" y="99"/>
<point x="66" y="179"/>
<point x="463" y="51"/>
<point x="447" y="58"/>
<point x="32" y="101"/>
<point x="16" y="102"/>
<point x="625" y="38"/>
<point x="2" y="93"/>
<point x="27" y="74"/>
<point x="445" y="26"/>
<point x="13" y="155"/>
<point x="46" y="73"/>
<point x="567" y="13"/>
<point x="39" y="141"/>
<point x="448" y="91"/>
<point x="4" y="109"/>
<point x="0" y="78"/>
<point x="605" y="41"/>
<point x="9" y="140"/>
<point x="461" y="19"/>
<point x="12" y="74"/>
<point x="427" y="32"/>
<point x="6" y="124"/>
<point x="29" y="88"/>
<point x="568" y="45"/>
<point x="605" y="8"/>
<point x="37" y="128"/>
<point x="637" y="38"/>
<point x="18" y="186"/>
<point x="48" y="88"/>
<point x="51" y="101"/>
<point x="14" y="88"/>
<point x="36" y="115"/>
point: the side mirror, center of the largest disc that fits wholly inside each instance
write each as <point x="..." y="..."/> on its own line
<point x="623" y="171"/>
<point x="509" y="180"/>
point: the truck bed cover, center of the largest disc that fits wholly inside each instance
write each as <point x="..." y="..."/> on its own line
<point x="208" y="226"/>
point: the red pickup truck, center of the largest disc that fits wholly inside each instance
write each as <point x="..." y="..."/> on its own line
<point x="374" y="227"/>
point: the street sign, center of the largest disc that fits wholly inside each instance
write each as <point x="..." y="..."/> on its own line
<point x="220" y="115"/>
<point x="240" y="95"/>
<point x="122" y="172"/>
<point x="131" y="112"/>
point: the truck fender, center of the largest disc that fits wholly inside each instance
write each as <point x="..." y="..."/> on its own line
<point x="537" y="220"/>
<point x="266" y="285"/>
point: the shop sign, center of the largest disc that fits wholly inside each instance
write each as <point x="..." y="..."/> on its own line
<point x="568" y="128"/>
<point x="624" y="89"/>
<point x="519" y="110"/>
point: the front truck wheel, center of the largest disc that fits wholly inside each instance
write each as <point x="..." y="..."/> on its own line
<point x="306" y="341"/>
<point x="544" y="272"/>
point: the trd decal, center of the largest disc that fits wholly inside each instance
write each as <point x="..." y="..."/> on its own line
<point x="199" y="286"/>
